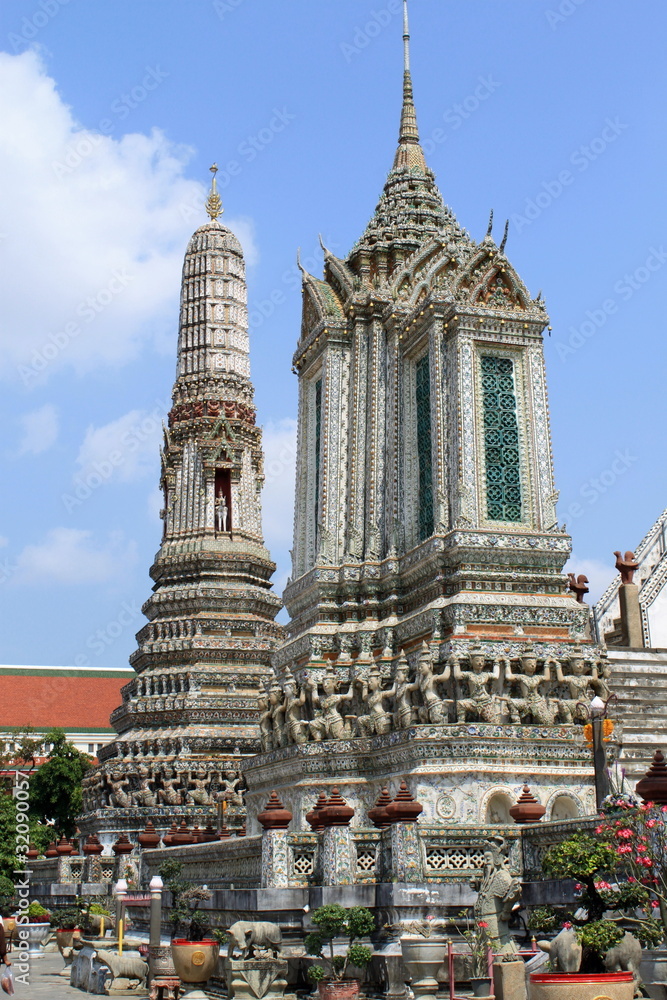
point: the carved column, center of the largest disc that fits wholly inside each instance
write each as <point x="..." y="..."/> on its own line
<point x="406" y="859"/>
<point x="275" y="859"/>
<point x="336" y="849"/>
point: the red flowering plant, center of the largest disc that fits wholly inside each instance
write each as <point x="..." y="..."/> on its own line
<point x="479" y="942"/>
<point x="612" y="886"/>
<point x="639" y="840"/>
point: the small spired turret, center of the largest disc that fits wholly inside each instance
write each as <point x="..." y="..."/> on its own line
<point x="191" y="713"/>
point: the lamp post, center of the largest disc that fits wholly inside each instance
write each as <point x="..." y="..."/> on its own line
<point x="120" y="892"/>
<point x="156" y="886"/>
<point x="598" y="711"/>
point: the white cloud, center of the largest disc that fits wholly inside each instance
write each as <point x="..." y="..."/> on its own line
<point x="599" y="575"/>
<point x="126" y="448"/>
<point x="71" y="556"/>
<point x="279" y="443"/>
<point x="40" y="430"/>
<point x="3" y="541"/>
<point x="95" y="229"/>
<point x="154" y="504"/>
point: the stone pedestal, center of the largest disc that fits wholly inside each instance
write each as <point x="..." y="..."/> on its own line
<point x="631" y="618"/>
<point x="275" y="869"/>
<point x="406" y="859"/>
<point x="336" y="852"/>
<point x="509" y="980"/>
<point x="255" y="979"/>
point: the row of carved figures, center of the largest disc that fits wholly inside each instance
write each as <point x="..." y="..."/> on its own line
<point x="162" y="786"/>
<point x="463" y="690"/>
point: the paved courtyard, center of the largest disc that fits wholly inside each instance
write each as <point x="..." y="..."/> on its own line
<point x="46" y="984"/>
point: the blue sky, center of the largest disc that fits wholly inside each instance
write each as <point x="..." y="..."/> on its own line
<point x="551" y="112"/>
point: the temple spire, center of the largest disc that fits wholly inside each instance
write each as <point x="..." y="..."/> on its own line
<point x="409" y="152"/>
<point x="214" y="201"/>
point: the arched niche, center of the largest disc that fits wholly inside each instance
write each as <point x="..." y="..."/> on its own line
<point x="498" y="809"/>
<point x="564" y="807"/>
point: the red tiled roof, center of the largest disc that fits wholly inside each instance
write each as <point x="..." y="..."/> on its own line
<point x="67" y="699"/>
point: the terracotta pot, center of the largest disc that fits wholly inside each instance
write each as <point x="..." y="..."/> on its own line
<point x="194" y="961"/>
<point x="149" y="839"/>
<point x="653" y="786"/>
<point x="404" y="808"/>
<point x="336" y="812"/>
<point x="274" y="816"/>
<point x="378" y="814"/>
<point x="343" y="989"/>
<point x="64" y="938"/>
<point x="592" y="986"/>
<point x="92" y="846"/>
<point x="527" y="809"/>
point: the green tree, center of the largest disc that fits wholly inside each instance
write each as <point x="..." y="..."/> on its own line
<point x="20" y="748"/>
<point x="12" y="861"/>
<point x="55" y="787"/>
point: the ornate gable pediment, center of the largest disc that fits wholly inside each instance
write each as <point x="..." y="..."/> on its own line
<point x="490" y="281"/>
<point x="320" y="304"/>
<point x="339" y="276"/>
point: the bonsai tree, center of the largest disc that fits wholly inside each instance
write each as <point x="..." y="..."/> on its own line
<point x="67" y="919"/>
<point x="190" y="915"/>
<point x="334" y="921"/>
<point x="185" y="900"/>
<point x="609" y="898"/>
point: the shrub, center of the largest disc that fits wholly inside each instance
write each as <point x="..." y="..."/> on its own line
<point x="334" y="921"/>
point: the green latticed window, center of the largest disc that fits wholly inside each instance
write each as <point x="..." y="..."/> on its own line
<point x="318" y="445"/>
<point x="424" y="453"/>
<point x="501" y="440"/>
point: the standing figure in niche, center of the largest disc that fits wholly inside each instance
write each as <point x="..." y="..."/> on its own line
<point x="404" y="712"/>
<point x="600" y="677"/>
<point x="573" y="708"/>
<point x="480" y="703"/>
<point x="171" y="792"/>
<point x="532" y="706"/>
<point x="221" y="513"/>
<point x="231" y="790"/>
<point x="119" y="796"/>
<point x="277" y="705"/>
<point x="328" y="723"/>
<point x="433" y="708"/>
<point x="145" y="794"/>
<point x="378" y="719"/>
<point x="265" y="723"/>
<point x="296" y="727"/>
<point x="198" y="793"/>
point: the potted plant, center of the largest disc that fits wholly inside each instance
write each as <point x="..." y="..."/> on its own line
<point x="36" y="928"/>
<point x="334" y="921"/>
<point x="67" y="924"/>
<point x="477" y="937"/>
<point x="608" y="896"/>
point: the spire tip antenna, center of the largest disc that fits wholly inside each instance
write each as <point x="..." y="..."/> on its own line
<point x="214" y="207"/>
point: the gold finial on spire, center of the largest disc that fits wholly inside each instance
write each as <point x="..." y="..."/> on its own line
<point x="214" y="201"/>
<point x="409" y="151"/>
